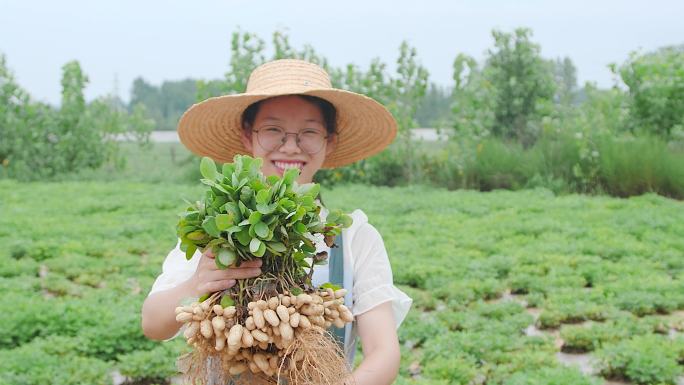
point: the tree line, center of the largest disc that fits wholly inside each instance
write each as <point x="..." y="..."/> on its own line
<point x="513" y="95"/>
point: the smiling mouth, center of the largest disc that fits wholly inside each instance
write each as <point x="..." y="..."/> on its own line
<point x="284" y="166"/>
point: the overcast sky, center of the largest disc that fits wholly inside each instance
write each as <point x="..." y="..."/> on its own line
<point x="172" y="39"/>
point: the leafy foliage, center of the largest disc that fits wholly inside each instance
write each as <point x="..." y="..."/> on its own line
<point x="41" y="142"/>
<point x="643" y="359"/>
<point x="246" y="215"/>
<point x="656" y="90"/>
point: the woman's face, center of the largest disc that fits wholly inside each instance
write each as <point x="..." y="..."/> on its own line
<point x="291" y="114"/>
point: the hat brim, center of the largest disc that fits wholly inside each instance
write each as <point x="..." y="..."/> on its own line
<point x="213" y="127"/>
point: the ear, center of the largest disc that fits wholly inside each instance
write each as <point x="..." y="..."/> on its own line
<point x="246" y="138"/>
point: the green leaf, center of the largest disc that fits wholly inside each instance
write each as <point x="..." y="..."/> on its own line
<point x="265" y="208"/>
<point x="243" y="208"/>
<point x="227" y="301"/>
<point x="345" y="221"/>
<point x="278" y="247"/>
<point x="261" y="251"/>
<point x="261" y="229"/>
<point x="333" y="216"/>
<point x="254" y="245"/>
<point x="300" y="228"/>
<point x="308" y="201"/>
<point x="310" y="189"/>
<point x="209" y="225"/>
<point x="232" y="208"/>
<point x="243" y="237"/>
<point x="290" y="175"/>
<point x="263" y="196"/>
<point x="190" y="251"/>
<point x="208" y="168"/>
<point x="186" y="229"/>
<point x="255" y="217"/>
<point x="329" y="285"/>
<point x="296" y="291"/>
<point x="204" y="297"/>
<point x="196" y="235"/>
<point x="224" y="221"/>
<point x="233" y="229"/>
<point x="228" y="169"/>
<point x="226" y="256"/>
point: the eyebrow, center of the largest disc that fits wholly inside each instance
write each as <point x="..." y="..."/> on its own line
<point x="273" y="118"/>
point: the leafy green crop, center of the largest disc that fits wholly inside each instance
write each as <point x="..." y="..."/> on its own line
<point x="245" y="215"/>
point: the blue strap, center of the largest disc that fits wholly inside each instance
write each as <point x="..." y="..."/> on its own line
<point x="336" y="276"/>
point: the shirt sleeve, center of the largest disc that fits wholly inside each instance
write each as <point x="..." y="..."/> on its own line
<point x="373" y="284"/>
<point x="175" y="270"/>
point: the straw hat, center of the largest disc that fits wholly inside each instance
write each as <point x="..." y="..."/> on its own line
<point x="213" y="127"/>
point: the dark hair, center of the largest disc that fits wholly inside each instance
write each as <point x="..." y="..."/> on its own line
<point x="327" y="110"/>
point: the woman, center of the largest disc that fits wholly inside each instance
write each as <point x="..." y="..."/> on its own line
<point x="292" y="117"/>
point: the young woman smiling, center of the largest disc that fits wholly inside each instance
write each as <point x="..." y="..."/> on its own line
<point x="290" y="116"/>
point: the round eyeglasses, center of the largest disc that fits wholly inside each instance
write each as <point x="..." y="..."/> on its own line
<point x="308" y="140"/>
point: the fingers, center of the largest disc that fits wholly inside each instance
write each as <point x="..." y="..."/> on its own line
<point x="240" y="273"/>
<point x="214" y="286"/>
<point x="208" y="253"/>
<point x="254" y="263"/>
<point x="209" y="261"/>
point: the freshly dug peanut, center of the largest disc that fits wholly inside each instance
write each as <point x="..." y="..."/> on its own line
<point x="294" y="320"/>
<point x="235" y="336"/>
<point x="218" y="309"/>
<point x="229" y="312"/>
<point x="205" y="306"/>
<point x="249" y="323"/>
<point x="273" y="303"/>
<point x="258" y="316"/>
<point x="261" y="362"/>
<point x="271" y="317"/>
<point x="259" y="335"/>
<point x="286" y="331"/>
<point x="191" y="330"/>
<point x="247" y="338"/>
<point x="283" y="314"/>
<point x="253" y="367"/>
<point x="218" y="323"/>
<point x="261" y="304"/>
<point x="304" y="322"/>
<point x="237" y="368"/>
<point x="206" y="329"/>
<point x="345" y="314"/>
<point x="220" y="342"/>
<point x="184" y="317"/>
<point x="303" y="299"/>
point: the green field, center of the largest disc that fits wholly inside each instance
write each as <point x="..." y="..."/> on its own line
<point x="592" y="274"/>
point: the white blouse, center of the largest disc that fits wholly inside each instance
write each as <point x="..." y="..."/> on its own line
<point x="364" y="254"/>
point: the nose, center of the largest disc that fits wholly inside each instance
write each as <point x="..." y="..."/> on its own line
<point x="290" y="146"/>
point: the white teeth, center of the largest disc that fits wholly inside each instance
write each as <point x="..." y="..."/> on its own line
<point x="287" y="165"/>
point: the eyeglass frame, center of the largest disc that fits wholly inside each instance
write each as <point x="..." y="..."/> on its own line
<point x="284" y="140"/>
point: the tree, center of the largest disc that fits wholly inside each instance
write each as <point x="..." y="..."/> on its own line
<point x="522" y="82"/>
<point x="656" y="90"/>
<point x="39" y="141"/>
<point x="565" y="74"/>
